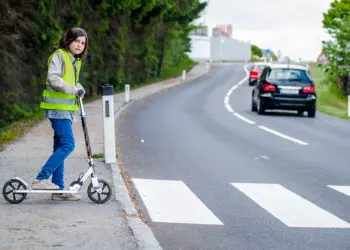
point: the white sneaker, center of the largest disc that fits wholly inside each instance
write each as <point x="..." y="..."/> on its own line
<point x="44" y="184"/>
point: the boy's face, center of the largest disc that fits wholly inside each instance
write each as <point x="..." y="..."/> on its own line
<point x="78" y="45"/>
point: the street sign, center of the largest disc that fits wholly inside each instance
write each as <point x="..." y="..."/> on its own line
<point x="322" y="58"/>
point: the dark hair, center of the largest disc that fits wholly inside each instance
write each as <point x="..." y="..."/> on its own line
<point x="69" y="36"/>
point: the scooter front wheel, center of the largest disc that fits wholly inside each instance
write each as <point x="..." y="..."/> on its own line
<point x="100" y="197"/>
<point x="9" y="188"/>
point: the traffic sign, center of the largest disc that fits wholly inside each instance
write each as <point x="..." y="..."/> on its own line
<point x="322" y="58"/>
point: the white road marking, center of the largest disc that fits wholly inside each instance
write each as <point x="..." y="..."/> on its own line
<point x="283" y="136"/>
<point x="264" y="157"/>
<point x="342" y="189"/>
<point x="227" y="101"/>
<point x="288" y="207"/>
<point x="241" y="117"/>
<point x="173" y="202"/>
<point x="229" y="109"/>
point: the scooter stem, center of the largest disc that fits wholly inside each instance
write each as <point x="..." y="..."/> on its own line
<point x="85" y="130"/>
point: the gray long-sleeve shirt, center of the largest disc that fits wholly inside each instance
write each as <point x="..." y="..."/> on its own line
<point x="54" y="76"/>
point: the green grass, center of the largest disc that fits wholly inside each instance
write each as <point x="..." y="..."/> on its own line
<point x="98" y="156"/>
<point x="9" y="134"/>
<point x="16" y="129"/>
<point x="169" y="72"/>
<point x="330" y="99"/>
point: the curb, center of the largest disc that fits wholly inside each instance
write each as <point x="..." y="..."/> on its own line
<point x="143" y="234"/>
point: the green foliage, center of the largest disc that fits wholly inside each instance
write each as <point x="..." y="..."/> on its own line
<point x="333" y="19"/>
<point x="256" y="51"/>
<point x="130" y="41"/>
<point x="337" y="23"/>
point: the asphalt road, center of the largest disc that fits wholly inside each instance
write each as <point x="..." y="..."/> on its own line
<point x="210" y="174"/>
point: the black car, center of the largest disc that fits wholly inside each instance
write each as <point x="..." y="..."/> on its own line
<point x="287" y="87"/>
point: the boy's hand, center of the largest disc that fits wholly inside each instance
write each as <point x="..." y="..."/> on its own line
<point x="81" y="93"/>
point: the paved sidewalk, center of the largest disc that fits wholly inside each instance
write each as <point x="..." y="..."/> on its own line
<point x="40" y="223"/>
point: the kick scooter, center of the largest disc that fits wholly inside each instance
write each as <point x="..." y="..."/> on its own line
<point x="99" y="191"/>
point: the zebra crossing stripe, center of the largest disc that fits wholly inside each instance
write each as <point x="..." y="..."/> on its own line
<point x="342" y="189"/>
<point x="173" y="202"/>
<point x="288" y="207"/>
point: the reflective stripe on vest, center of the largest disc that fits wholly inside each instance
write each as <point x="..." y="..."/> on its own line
<point x="53" y="99"/>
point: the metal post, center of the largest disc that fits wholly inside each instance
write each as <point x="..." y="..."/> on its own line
<point x="108" y="124"/>
<point x="323" y="72"/>
<point x="183" y="75"/>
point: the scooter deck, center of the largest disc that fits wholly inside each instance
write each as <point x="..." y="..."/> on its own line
<point x="45" y="191"/>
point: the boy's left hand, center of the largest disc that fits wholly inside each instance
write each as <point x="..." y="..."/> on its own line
<point x="81" y="93"/>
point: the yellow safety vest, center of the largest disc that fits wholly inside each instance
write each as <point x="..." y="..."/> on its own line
<point x="53" y="99"/>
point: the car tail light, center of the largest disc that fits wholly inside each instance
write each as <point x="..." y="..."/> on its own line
<point x="253" y="74"/>
<point x="268" y="87"/>
<point x="309" y="89"/>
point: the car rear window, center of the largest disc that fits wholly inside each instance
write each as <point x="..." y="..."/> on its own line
<point x="289" y="74"/>
<point x="259" y="67"/>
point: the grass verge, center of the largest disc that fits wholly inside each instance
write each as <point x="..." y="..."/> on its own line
<point x="18" y="129"/>
<point x="330" y="99"/>
<point x="169" y="72"/>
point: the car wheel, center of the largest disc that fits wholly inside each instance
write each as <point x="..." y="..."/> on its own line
<point x="253" y="106"/>
<point x="311" y="112"/>
<point x="250" y="82"/>
<point x="260" y="107"/>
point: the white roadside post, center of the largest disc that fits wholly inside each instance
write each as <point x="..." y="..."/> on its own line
<point x="127" y="93"/>
<point x="108" y="124"/>
<point x="183" y="75"/>
<point x="348" y="105"/>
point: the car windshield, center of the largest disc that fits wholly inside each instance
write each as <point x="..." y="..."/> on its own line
<point x="289" y="74"/>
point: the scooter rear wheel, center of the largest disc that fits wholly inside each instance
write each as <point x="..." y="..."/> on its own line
<point x="8" y="189"/>
<point x="102" y="197"/>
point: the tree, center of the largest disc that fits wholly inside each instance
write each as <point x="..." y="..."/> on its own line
<point x="256" y="51"/>
<point x="129" y="41"/>
<point x="337" y="23"/>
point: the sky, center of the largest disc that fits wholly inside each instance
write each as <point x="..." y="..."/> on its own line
<point x="292" y="26"/>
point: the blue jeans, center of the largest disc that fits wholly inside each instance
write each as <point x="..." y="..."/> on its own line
<point x="63" y="145"/>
